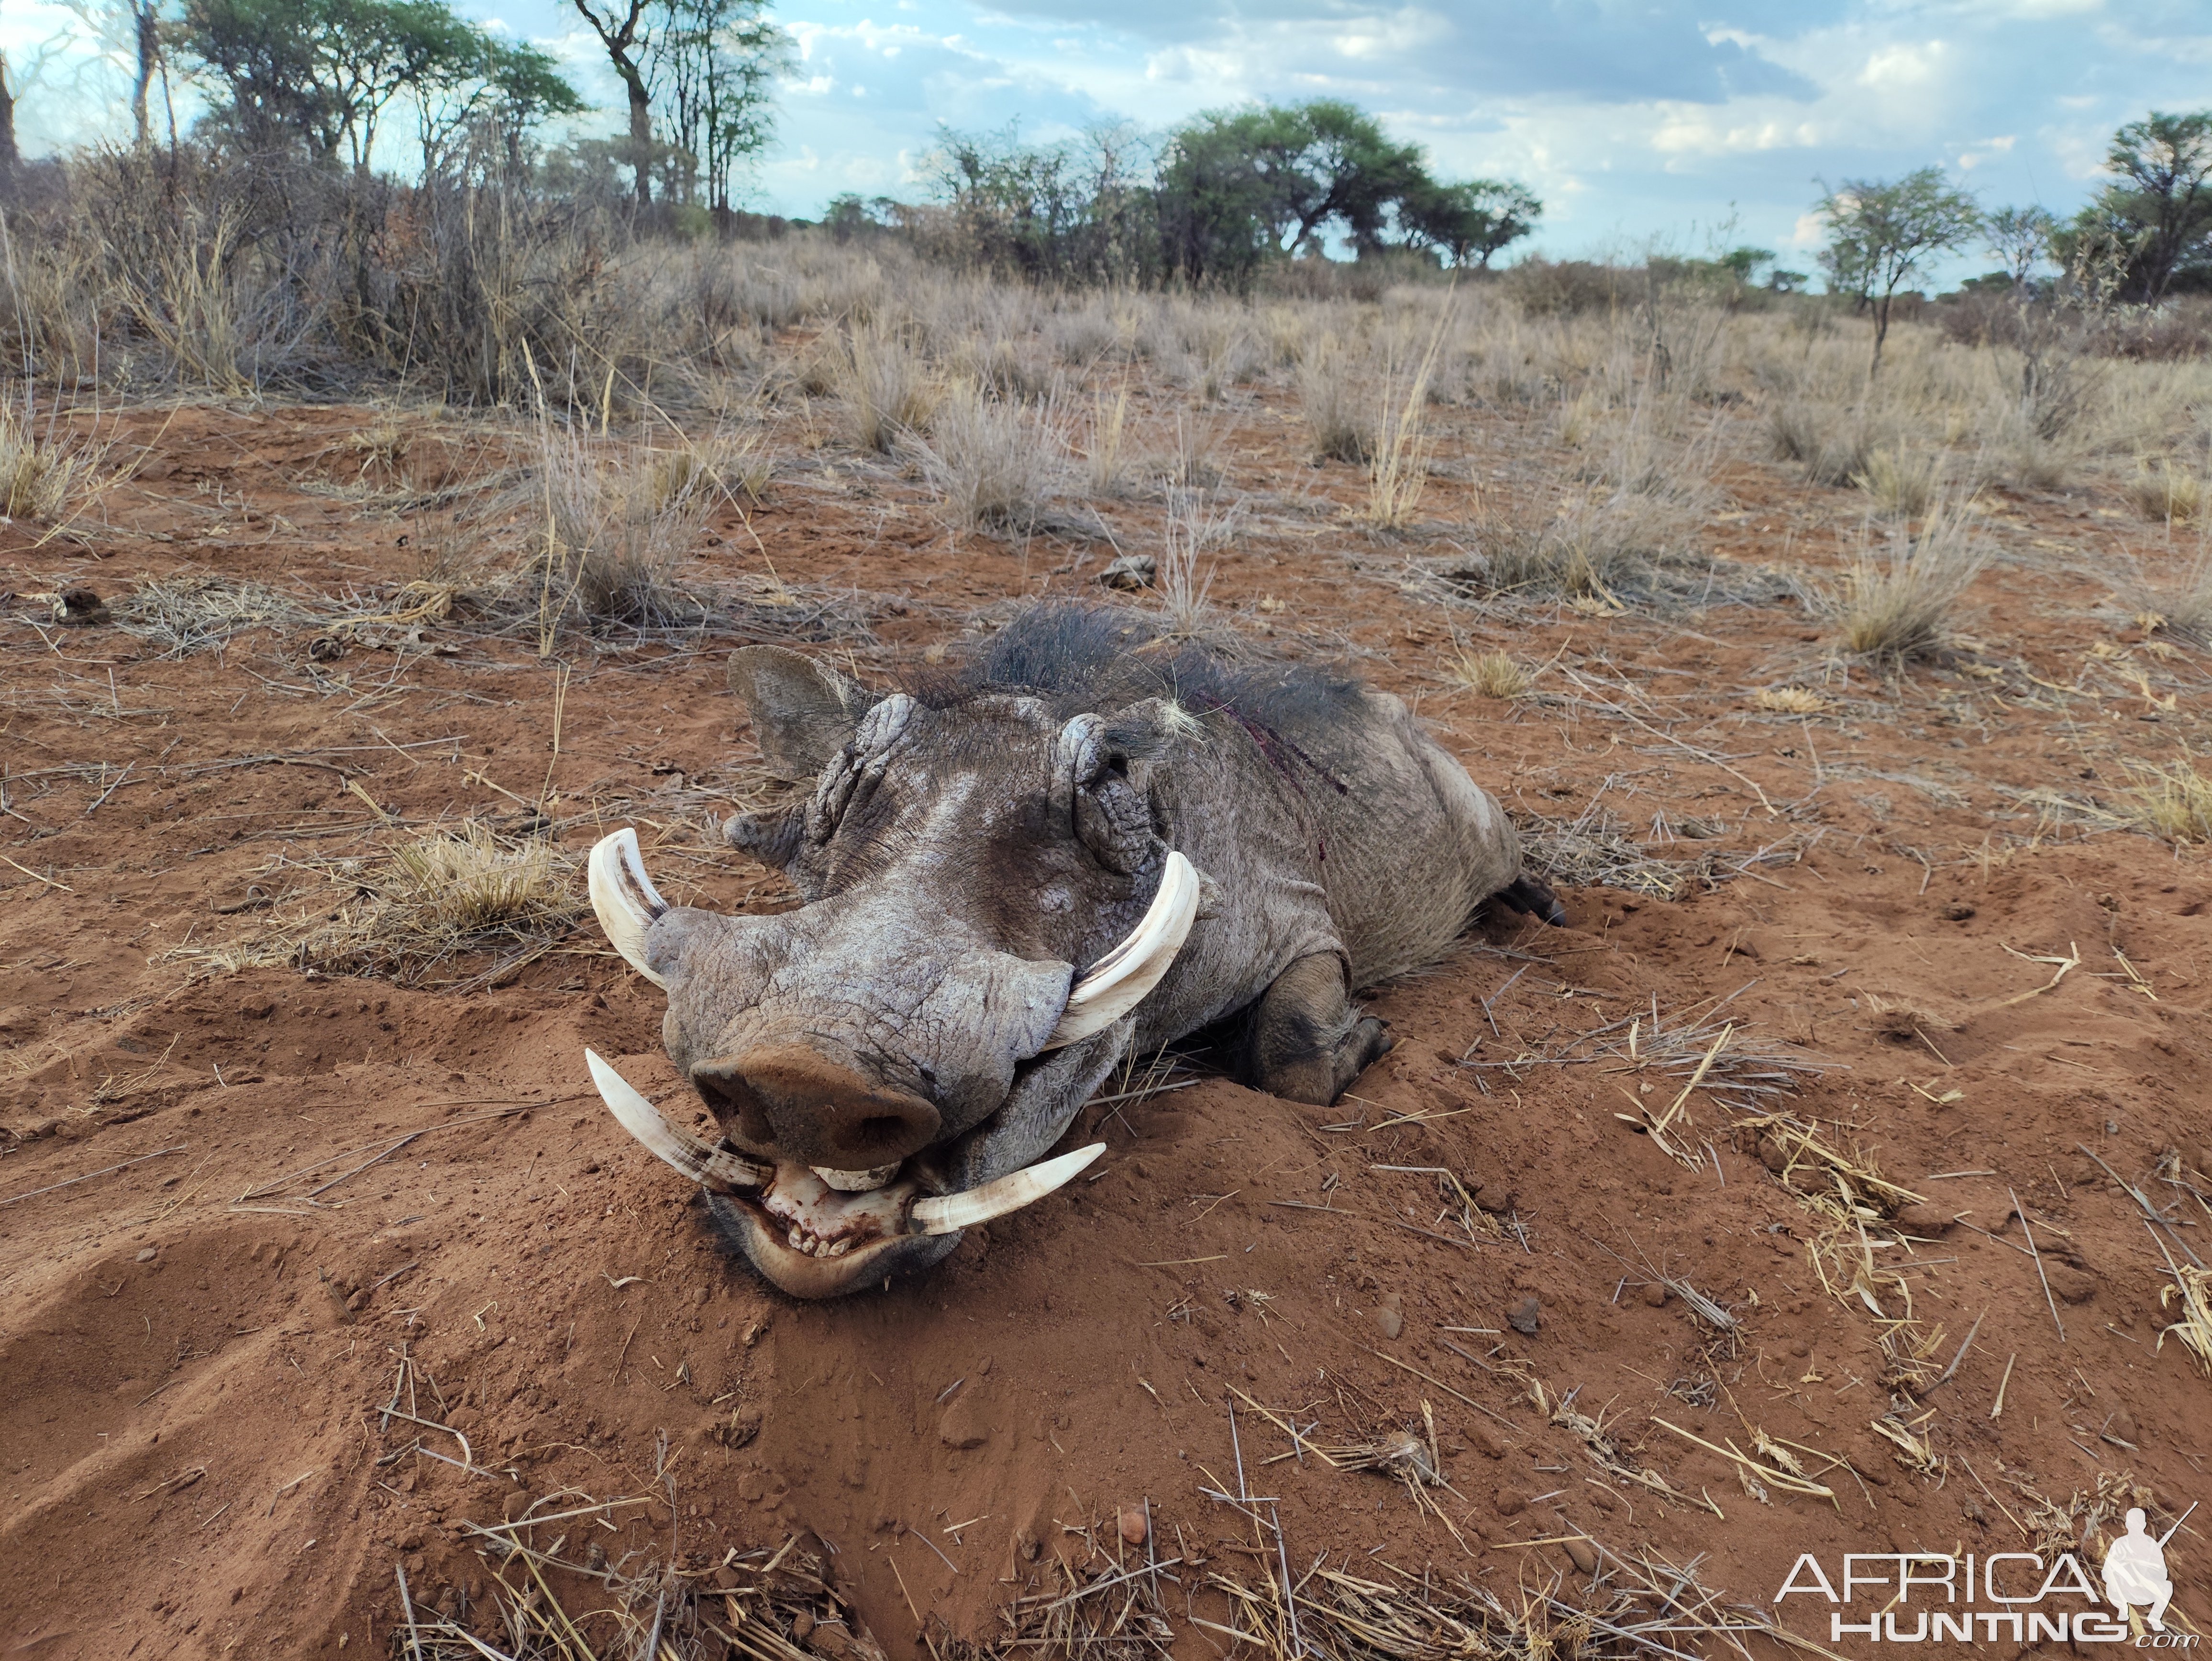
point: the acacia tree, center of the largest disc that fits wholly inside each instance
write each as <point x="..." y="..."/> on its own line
<point x="1471" y="220"/>
<point x="511" y="89"/>
<point x="620" y="25"/>
<point x="715" y="62"/>
<point x="2159" y="210"/>
<point x="1880" y="233"/>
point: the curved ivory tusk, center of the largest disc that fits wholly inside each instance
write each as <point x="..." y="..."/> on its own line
<point x="710" y="1167"/>
<point x="1118" y="982"/>
<point x="624" y="898"/>
<point x="997" y="1197"/>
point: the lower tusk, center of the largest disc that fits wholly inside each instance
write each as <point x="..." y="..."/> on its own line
<point x="624" y="895"/>
<point x="710" y="1167"/>
<point x="1002" y="1194"/>
<point x="855" y="1182"/>
<point x="1119" y="982"/>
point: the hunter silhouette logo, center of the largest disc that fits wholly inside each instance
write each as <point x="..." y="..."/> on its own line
<point x="2134" y="1570"/>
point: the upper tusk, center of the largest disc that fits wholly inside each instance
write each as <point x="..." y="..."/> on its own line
<point x="624" y="898"/>
<point x="710" y="1167"/>
<point x="999" y="1196"/>
<point x="1118" y="982"/>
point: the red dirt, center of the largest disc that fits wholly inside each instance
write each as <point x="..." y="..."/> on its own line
<point x="191" y="1382"/>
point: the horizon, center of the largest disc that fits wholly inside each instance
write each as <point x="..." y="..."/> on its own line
<point x="1661" y="130"/>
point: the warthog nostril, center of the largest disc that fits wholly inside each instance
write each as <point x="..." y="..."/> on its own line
<point x="792" y="1102"/>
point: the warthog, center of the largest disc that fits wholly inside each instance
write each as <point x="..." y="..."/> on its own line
<point x="1088" y="843"/>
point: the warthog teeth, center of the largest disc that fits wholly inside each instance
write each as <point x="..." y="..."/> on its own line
<point x="855" y="1182"/>
<point x="1118" y="982"/>
<point x="624" y="898"/>
<point x="710" y="1167"/>
<point x="1000" y="1195"/>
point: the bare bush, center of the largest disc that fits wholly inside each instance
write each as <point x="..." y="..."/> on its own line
<point x="2161" y="490"/>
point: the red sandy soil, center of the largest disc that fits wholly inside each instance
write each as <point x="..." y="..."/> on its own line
<point x="192" y="1383"/>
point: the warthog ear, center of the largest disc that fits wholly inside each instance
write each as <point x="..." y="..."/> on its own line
<point x="803" y="711"/>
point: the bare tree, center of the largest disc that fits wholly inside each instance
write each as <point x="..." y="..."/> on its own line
<point x="621" y="31"/>
<point x="715" y="61"/>
<point x="127" y="33"/>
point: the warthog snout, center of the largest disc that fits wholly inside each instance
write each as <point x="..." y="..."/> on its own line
<point x="797" y="1101"/>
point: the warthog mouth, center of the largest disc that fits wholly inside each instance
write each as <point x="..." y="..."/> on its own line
<point x="817" y="1232"/>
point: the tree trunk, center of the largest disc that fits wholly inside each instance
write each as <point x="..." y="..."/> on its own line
<point x="640" y="132"/>
<point x="149" y="56"/>
<point x="10" y="158"/>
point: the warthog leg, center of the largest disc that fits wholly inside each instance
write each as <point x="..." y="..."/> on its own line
<point x="1306" y="1040"/>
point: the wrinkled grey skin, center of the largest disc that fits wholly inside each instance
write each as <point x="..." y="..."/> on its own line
<point x="969" y="847"/>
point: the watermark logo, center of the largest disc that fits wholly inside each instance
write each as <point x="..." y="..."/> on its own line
<point x="1917" y="1597"/>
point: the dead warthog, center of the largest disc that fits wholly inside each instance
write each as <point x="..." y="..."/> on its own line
<point x="1087" y="845"/>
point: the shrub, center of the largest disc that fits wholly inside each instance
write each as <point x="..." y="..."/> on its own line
<point x="1895" y="604"/>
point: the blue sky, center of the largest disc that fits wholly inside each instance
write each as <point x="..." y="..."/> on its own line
<point x="1635" y="120"/>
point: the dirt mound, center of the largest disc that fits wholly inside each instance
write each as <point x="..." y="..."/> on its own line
<point x="1782" y="1216"/>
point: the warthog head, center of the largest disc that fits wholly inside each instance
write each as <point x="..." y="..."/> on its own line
<point x="986" y="898"/>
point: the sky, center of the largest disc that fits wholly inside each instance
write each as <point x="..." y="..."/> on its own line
<point x="1685" y="126"/>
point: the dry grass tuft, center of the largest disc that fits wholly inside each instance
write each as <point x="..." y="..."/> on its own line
<point x="1338" y="403"/>
<point x="1895" y="605"/>
<point x="2162" y="491"/>
<point x="1195" y="525"/>
<point x="450" y="895"/>
<point x="1901" y="488"/>
<point x="2174" y="802"/>
<point x="998" y="465"/>
<point x="40" y="472"/>
<point x="1491" y="674"/>
<point x="615" y="527"/>
<point x="887" y="390"/>
<point x="1103" y="462"/>
<point x="1789" y="701"/>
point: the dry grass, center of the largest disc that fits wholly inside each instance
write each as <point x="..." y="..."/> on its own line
<point x="887" y="390"/>
<point x="40" y="472"/>
<point x="184" y="614"/>
<point x="2191" y="1293"/>
<point x="998" y="465"/>
<point x="1399" y="472"/>
<point x="1901" y="486"/>
<point x="1105" y="465"/>
<point x="1789" y="701"/>
<point x="615" y="524"/>
<point x="1194" y="527"/>
<point x="1491" y="674"/>
<point x="410" y="916"/>
<point x="2174" y="802"/>
<point x="1338" y="402"/>
<point x="2162" y="491"/>
<point x="1896" y="605"/>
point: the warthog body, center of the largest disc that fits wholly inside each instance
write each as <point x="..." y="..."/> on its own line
<point x="975" y="844"/>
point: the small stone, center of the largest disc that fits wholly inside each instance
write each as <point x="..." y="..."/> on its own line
<point x="1132" y="1521"/>
<point x="965" y="1424"/>
<point x="1956" y="912"/>
<point x="2073" y="1285"/>
<point x="1526" y="1315"/>
<point x="2122" y="1425"/>
<point x="1582" y="1553"/>
<point x="1510" y="1502"/>
<point x="1387" y="1314"/>
<point x="1923" y="1219"/>
<point x="1656" y="1295"/>
<point x="514" y="1505"/>
<point x="148" y="1254"/>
